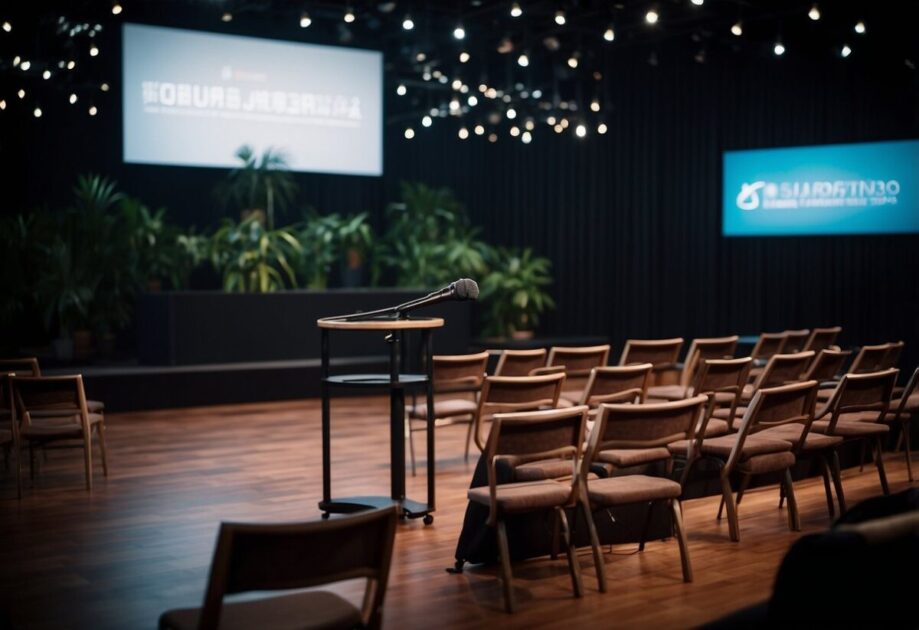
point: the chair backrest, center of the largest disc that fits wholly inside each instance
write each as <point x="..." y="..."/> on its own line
<point x="861" y="392"/>
<point x="784" y="368"/>
<point x="519" y="362"/>
<point x="643" y="426"/>
<point x="822" y="338"/>
<point x="775" y="406"/>
<point x="795" y="340"/>
<point x="25" y="366"/>
<point x="505" y="394"/>
<point x="892" y="358"/>
<point x="257" y="557"/>
<point x="827" y="365"/>
<point x="459" y="372"/>
<point x="768" y="344"/>
<point x="579" y="360"/>
<point x="869" y="359"/>
<point x="706" y="348"/>
<point x="660" y="353"/>
<point x="547" y="369"/>
<point x="57" y="393"/>
<point x="621" y="383"/>
<point x="909" y="390"/>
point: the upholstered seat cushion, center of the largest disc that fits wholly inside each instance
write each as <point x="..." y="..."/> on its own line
<point x="313" y="609"/>
<point x="631" y="489"/>
<point x="667" y="392"/>
<point x="544" y="469"/>
<point x="623" y="458"/>
<point x="768" y="462"/>
<point x="725" y="412"/>
<point x="753" y="445"/>
<point x="445" y="408"/>
<point x="716" y="427"/>
<point x="564" y="403"/>
<point x="862" y="416"/>
<point x="519" y="497"/>
<point x="851" y="429"/>
<point x="93" y="406"/>
<point x="54" y="426"/>
<point x="571" y="395"/>
<point x="792" y="433"/>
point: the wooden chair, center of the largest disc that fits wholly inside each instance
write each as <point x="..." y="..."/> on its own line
<point x="516" y="439"/>
<point x="612" y="384"/>
<point x="520" y="362"/>
<point x="642" y="428"/>
<point x="848" y="414"/>
<point x="9" y="438"/>
<point x="660" y="353"/>
<point x="28" y="366"/>
<point x="902" y="410"/>
<point x="748" y="453"/>
<point x="699" y="351"/>
<point x="505" y="394"/>
<point x="578" y="362"/>
<point x="53" y="409"/>
<point x="892" y="358"/>
<point x="284" y="557"/>
<point x="796" y="340"/>
<point x="780" y="370"/>
<point x="869" y="359"/>
<point x="822" y="339"/>
<point x="826" y="367"/>
<point x="453" y="374"/>
<point x="768" y="344"/>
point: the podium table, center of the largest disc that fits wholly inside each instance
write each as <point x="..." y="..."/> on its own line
<point x="396" y="383"/>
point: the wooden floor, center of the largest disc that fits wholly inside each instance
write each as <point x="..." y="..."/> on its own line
<point x="142" y="541"/>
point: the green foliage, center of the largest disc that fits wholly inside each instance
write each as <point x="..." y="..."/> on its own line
<point x="326" y="239"/>
<point x="429" y="240"/>
<point x="514" y="291"/>
<point x="252" y="258"/>
<point x="260" y="184"/>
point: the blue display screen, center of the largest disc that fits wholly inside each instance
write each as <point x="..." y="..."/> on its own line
<point x="866" y="188"/>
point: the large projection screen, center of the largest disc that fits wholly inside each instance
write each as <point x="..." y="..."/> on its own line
<point x="193" y="99"/>
<point x="865" y="188"/>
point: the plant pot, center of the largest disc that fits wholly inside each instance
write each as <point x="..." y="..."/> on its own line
<point x="82" y="344"/>
<point x="522" y="334"/>
<point x="63" y="348"/>
<point x="154" y="285"/>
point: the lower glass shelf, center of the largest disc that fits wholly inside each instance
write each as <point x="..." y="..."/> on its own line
<point x="376" y="380"/>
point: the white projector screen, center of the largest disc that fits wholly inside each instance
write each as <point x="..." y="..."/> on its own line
<point x="193" y="98"/>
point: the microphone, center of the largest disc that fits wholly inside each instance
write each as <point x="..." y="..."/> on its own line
<point x="460" y="290"/>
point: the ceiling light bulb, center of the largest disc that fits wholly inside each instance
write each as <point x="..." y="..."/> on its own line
<point x="601" y="128"/>
<point x="459" y="32"/>
<point x="515" y="131"/>
<point x="305" y="20"/>
<point x="479" y="130"/>
<point x="511" y="113"/>
<point x="226" y="17"/>
<point x="527" y="137"/>
<point x="46" y="75"/>
<point x="426" y="121"/>
<point x="609" y="34"/>
<point x="25" y="65"/>
<point x="73" y="99"/>
<point x="580" y="131"/>
<point x="409" y="133"/>
<point x="401" y="89"/>
<point x="408" y="24"/>
<point x="516" y="11"/>
<point x="21" y="93"/>
<point x="860" y="27"/>
<point x="492" y="137"/>
<point x="523" y="60"/>
<point x="454" y="105"/>
<point x="463" y="133"/>
<point x="92" y="110"/>
<point x="464" y="57"/>
<point x="2" y="103"/>
<point x="349" y="15"/>
<point x="93" y="51"/>
<point x="779" y="49"/>
<point x="846" y="51"/>
<point x="104" y="87"/>
<point x="7" y="27"/>
<point x="814" y="13"/>
<point x="472" y="100"/>
<point x="595" y="105"/>
<point x="572" y="62"/>
<point x="652" y="16"/>
<point x="698" y="3"/>
<point x="737" y="29"/>
<point x="71" y="64"/>
<point x="560" y="18"/>
<point x="116" y="9"/>
<point x="37" y="112"/>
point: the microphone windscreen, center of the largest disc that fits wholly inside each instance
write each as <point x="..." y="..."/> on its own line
<point x="467" y="289"/>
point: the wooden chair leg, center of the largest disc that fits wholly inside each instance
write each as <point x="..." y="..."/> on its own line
<point x="411" y="443"/>
<point x="794" y="522"/>
<point x="879" y="460"/>
<point x="504" y="552"/>
<point x="826" y="474"/>
<point x="644" y="530"/>
<point x="100" y="429"/>
<point x="468" y="439"/>
<point x="573" y="565"/>
<point x="556" y="532"/>
<point x="727" y="497"/>
<point x="677" y="512"/>
<point x="744" y="482"/>
<point x="909" y="462"/>
<point x="837" y="482"/>
<point x="595" y="546"/>
<point x="88" y="458"/>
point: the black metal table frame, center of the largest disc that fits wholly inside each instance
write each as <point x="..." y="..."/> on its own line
<point x="396" y="383"/>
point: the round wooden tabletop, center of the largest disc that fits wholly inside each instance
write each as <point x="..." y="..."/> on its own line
<point x="381" y="324"/>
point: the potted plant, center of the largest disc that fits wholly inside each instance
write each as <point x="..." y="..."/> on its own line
<point x="65" y="290"/>
<point x="355" y="239"/>
<point x="514" y="292"/>
<point x="254" y="259"/>
<point x="260" y="186"/>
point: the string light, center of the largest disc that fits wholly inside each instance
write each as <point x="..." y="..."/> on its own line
<point x="860" y="27"/>
<point x="104" y="87"/>
<point x="37" y="112"/>
<point x="573" y="61"/>
<point x="472" y="100"/>
<point x="25" y="65"/>
<point x="409" y="133"/>
<point x="459" y="32"/>
<point x="595" y="105"/>
<point x="16" y="61"/>
<point x="73" y="98"/>
<point x="516" y="11"/>
<point x="93" y="110"/>
<point x="463" y="133"/>
<point x="2" y="103"/>
<point x="652" y="16"/>
<point x="305" y="20"/>
<point x="226" y="17"/>
<point x="523" y="60"/>
<point x="558" y="128"/>
<point x="116" y="8"/>
<point x="737" y="29"/>
<point x="698" y="3"/>
<point x="454" y="105"/>
<point x="601" y="128"/>
<point x="515" y="131"/>
<point x="609" y="34"/>
<point x="511" y="113"/>
<point x="457" y="84"/>
<point x="479" y="130"/>
<point x="7" y="27"/>
<point x="71" y="64"/>
<point x="408" y="24"/>
<point x="492" y="137"/>
<point x="846" y="51"/>
<point x="93" y="51"/>
<point x="779" y="49"/>
<point x="401" y="89"/>
<point x="349" y="16"/>
<point x="814" y="13"/>
<point x="46" y="75"/>
<point x="21" y="93"/>
<point x="550" y="120"/>
<point x="463" y="57"/>
<point x="580" y="131"/>
<point x="426" y="121"/>
<point x="527" y="137"/>
<point x="560" y="17"/>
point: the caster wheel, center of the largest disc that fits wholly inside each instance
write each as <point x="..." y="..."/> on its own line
<point x="428" y="519"/>
<point x="325" y="516"/>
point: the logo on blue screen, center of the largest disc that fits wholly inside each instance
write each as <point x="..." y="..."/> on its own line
<point x="868" y="188"/>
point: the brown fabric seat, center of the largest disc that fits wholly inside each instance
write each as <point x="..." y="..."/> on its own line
<point x="531" y="495"/>
<point x="792" y="433"/>
<point x="59" y="425"/>
<point x="544" y="469"/>
<point x="716" y="428"/>
<point x="632" y="489"/>
<point x="754" y="445"/>
<point x="769" y="462"/>
<point x="669" y="392"/>
<point x="314" y="609"/>
<point x="864" y="416"/>
<point x="572" y="395"/>
<point x="564" y="403"/>
<point x="852" y="429"/>
<point x="445" y="408"/>
<point x="623" y="458"/>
